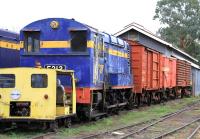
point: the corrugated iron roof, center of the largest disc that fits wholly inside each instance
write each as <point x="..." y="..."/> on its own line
<point x="148" y="33"/>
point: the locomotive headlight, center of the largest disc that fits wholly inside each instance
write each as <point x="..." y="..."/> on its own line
<point x="54" y="24"/>
<point x="46" y="96"/>
<point x="15" y="94"/>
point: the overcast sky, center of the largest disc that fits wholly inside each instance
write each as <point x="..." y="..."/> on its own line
<point x="106" y="15"/>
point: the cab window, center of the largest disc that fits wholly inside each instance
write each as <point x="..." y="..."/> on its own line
<point x="39" y="80"/>
<point x="7" y="80"/>
<point x="32" y="42"/>
<point x="78" y="41"/>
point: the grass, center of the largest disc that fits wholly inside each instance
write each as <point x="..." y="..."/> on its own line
<point x="126" y="118"/>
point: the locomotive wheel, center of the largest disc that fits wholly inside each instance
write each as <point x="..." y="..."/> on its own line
<point x="96" y="118"/>
<point x="68" y="122"/>
<point x="130" y="105"/>
<point x="22" y="125"/>
<point x="53" y="126"/>
<point x="3" y="126"/>
<point x="44" y="126"/>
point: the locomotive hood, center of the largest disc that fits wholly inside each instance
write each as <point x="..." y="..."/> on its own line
<point x="58" y="26"/>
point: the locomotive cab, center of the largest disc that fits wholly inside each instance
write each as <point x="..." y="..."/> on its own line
<point x="33" y="95"/>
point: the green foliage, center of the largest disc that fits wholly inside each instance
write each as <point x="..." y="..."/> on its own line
<point x="180" y="21"/>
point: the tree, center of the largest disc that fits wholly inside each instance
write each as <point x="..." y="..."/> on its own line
<point x="180" y="20"/>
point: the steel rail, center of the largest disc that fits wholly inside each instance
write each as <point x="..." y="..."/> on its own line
<point x="160" y="120"/>
<point x="44" y="135"/>
<point x="129" y="126"/>
<point x="177" y="129"/>
<point x="144" y="128"/>
<point x="193" y="133"/>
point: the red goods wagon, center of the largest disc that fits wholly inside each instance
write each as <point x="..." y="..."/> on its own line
<point x="168" y="72"/>
<point x="145" y="66"/>
<point x="155" y="75"/>
<point x="183" y="73"/>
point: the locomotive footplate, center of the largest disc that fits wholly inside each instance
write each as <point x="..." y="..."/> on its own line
<point x="93" y="115"/>
<point x="117" y="105"/>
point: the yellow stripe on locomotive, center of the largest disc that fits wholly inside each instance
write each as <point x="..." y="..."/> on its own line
<point x="9" y="45"/>
<point x="66" y="44"/>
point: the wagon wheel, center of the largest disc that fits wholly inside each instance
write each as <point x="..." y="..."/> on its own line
<point x="131" y="102"/>
<point x="174" y="92"/>
<point x="68" y="123"/>
<point x="165" y="96"/>
<point x="160" y="97"/>
<point x="138" y="100"/>
<point x="149" y="97"/>
<point x="182" y="93"/>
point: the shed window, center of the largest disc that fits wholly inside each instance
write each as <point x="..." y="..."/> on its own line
<point x="39" y="81"/>
<point x="78" y="41"/>
<point x="7" y="80"/>
<point x="32" y="42"/>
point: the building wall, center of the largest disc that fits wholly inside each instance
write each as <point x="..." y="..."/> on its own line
<point x="196" y="81"/>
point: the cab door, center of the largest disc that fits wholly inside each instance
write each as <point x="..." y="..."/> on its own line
<point x="7" y="92"/>
<point x="99" y="61"/>
<point x="65" y="101"/>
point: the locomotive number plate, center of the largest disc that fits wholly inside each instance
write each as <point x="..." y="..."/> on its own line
<point x="61" y="67"/>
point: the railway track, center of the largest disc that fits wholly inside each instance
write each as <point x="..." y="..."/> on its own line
<point x="51" y="134"/>
<point x="178" y="129"/>
<point x="128" y="131"/>
<point x="141" y="132"/>
<point x="44" y="136"/>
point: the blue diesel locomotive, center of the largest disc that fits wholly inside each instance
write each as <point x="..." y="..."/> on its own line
<point x="100" y="61"/>
<point x="9" y="49"/>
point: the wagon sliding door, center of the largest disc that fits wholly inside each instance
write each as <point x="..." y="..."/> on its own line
<point x="153" y="69"/>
